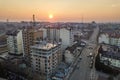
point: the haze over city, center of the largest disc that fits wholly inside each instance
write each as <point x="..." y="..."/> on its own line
<point x="59" y="39"/>
<point x="61" y="10"/>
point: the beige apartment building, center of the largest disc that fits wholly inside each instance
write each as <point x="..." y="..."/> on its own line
<point x="45" y="57"/>
<point x="28" y="38"/>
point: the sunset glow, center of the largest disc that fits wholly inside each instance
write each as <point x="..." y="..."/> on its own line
<point x="64" y="10"/>
<point x="50" y="16"/>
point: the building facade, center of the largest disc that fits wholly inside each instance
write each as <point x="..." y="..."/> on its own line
<point x="67" y="37"/>
<point x="14" y="42"/>
<point x="53" y="34"/>
<point x="45" y="57"/>
<point x="3" y="43"/>
<point x="72" y="52"/>
<point x="110" y="56"/>
<point x="28" y="40"/>
<point x="112" y="39"/>
<point x="38" y="34"/>
<point x="104" y="38"/>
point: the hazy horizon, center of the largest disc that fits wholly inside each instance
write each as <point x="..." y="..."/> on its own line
<point x="62" y="10"/>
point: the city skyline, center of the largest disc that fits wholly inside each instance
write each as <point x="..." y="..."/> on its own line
<point x="61" y="10"/>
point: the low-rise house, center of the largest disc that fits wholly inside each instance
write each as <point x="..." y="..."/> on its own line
<point x="103" y="38"/>
<point x="111" y="57"/>
<point x="72" y="52"/>
<point x="61" y="72"/>
<point x="112" y="38"/>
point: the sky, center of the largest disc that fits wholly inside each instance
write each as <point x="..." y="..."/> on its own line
<point x="61" y="10"/>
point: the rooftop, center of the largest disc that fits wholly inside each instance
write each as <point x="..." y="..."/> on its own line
<point x="73" y="47"/>
<point x="44" y="46"/>
<point x="111" y="51"/>
<point x="112" y="55"/>
<point x="12" y="32"/>
<point x="112" y="33"/>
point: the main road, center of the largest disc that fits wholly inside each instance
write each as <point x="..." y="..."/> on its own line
<point x="84" y="72"/>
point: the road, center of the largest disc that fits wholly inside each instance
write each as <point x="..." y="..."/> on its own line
<point x="84" y="72"/>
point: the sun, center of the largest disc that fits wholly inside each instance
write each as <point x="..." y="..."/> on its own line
<point x="50" y="16"/>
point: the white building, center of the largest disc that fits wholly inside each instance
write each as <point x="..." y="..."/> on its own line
<point x="15" y="42"/>
<point x="45" y="57"/>
<point x="69" y="57"/>
<point x="112" y="39"/>
<point x="67" y="37"/>
<point x="103" y="38"/>
<point x="53" y="33"/>
<point x="111" y="59"/>
<point x="110" y="56"/>
<point x="44" y="32"/>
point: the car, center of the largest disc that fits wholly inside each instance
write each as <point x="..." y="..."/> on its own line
<point x="80" y="58"/>
<point x="90" y="65"/>
<point x="91" y="62"/>
<point x="90" y="48"/>
<point x="90" y="54"/>
<point x="91" y="57"/>
<point x="78" y="66"/>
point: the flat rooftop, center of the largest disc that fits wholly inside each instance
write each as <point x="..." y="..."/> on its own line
<point x="46" y="46"/>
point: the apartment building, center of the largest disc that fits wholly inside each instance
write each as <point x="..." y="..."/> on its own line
<point x="14" y="42"/>
<point x="45" y="57"/>
<point x="53" y="33"/>
<point x="110" y="38"/>
<point x="28" y="37"/>
<point x="67" y="37"/>
<point x="72" y="52"/>
<point x="110" y="56"/>
<point x="3" y="43"/>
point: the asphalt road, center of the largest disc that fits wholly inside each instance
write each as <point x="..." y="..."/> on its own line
<point x="84" y="72"/>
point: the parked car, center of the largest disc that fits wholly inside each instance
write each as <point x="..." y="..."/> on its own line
<point x="91" y="65"/>
<point x="78" y="66"/>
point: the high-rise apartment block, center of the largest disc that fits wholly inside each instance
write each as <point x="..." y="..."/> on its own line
<point x="67" y="37"/>
<point x="45" y="57"/>
<point x="53" y="34"/>
<point x="3" y="43"/>
<point x="38" y="34"/>
<point x="15" y="42"/>
<point x="28" y="37"/>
